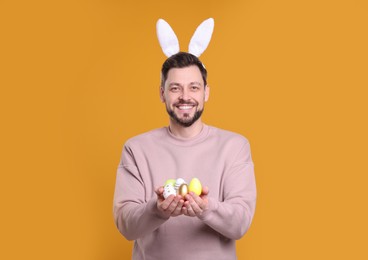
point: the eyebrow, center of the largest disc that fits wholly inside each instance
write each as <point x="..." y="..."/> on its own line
<point x="195" y="83"/>
<point x="180" y="85"/>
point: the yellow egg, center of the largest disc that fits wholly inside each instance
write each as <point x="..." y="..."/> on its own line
<point x="183" y="190"/>
<point x="195" y="186"/>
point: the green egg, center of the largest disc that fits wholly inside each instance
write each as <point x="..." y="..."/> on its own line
<point x="170" y="181"/>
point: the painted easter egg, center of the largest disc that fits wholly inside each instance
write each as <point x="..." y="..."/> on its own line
<point x="169" y="190"/>
<point x="195" y="186"/>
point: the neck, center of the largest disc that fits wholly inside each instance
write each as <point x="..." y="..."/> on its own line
<point x="186" y="132"/>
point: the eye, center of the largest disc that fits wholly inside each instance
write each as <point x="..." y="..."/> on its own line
<point x="174" y="89"/>
<point x="194" y="88"/>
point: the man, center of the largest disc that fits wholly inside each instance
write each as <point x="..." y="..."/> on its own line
<point x="190" y="227"/>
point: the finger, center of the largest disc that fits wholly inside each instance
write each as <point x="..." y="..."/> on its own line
<point x="196" y="198"/>
<point x="185" y="207"/>
<point x="193" y="207"/>
<point x="171" y="208"/>
<point x="167" y="202"/>
<point x="184" y="210"/>
<point x="189" y="206"/>
<point x="201" y="201"/>
<point x="178" y="208"/>
<point x="191" y="212"/>
<point x="160" y="190"/>
<point x="205" y="190"/>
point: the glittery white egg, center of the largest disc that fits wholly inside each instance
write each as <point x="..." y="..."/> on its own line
<point x="179" y="182"/>
<point x="168" y="190"/>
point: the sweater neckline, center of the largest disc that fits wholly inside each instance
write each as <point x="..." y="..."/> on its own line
<point x="188" y="141"/>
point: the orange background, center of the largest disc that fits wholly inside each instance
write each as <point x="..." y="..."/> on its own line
<point x="80" y="77"/>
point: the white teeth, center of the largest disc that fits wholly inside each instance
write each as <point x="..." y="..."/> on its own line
<point x="185" y="107"/>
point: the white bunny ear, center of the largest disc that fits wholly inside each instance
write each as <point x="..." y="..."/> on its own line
<point x="167" y="38"/>
<point x="201" y="37"/>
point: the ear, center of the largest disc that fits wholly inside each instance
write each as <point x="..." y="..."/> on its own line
<point x="162" y="94"/>
<point x="201" y="37"/>
<point x="207" y="93"/>
<point x="167" y="38"/>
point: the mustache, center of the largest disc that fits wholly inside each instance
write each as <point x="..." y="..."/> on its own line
<point x="183" y="102"/>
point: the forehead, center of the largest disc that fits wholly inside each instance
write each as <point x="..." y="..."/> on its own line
<point x="184" y="76"/>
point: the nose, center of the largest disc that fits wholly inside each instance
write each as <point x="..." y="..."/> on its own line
<point x="184" y="94"/>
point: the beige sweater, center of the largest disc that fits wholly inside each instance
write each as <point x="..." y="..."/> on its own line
<point x="220" y="159"/>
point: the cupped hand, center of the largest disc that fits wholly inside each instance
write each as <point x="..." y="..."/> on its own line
<point x="196" y="205"/>
<point x="171" y="206"/>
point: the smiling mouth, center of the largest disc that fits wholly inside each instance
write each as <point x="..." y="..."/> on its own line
<point x="185" y="107"/>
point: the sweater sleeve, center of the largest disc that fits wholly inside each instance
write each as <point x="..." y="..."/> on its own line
<point x="233" y="216"/>
<point x="134" y="215"/>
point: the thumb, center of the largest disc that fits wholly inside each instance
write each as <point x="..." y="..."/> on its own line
<point x="159" y="190"/>
<point x="205" y="190"/>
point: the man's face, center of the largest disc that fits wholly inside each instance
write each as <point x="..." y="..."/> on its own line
<point x="184" y="94"/>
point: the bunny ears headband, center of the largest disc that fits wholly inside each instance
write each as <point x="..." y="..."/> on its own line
<point x="198" y="44"/>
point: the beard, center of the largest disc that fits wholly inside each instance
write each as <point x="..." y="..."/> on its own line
<point x="186" y="121"/>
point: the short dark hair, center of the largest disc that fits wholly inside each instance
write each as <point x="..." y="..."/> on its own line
<point x="182" y="60"/>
